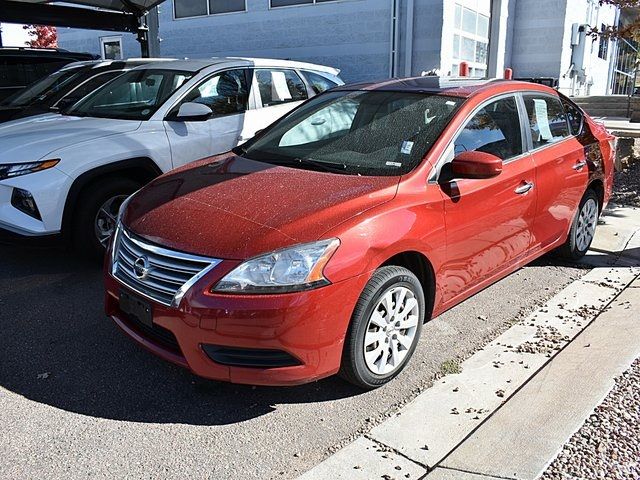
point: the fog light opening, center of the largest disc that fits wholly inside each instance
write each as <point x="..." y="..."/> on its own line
<point x="24" y="201"/>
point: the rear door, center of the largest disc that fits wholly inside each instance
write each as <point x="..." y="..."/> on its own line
<point x="488" y="221"/>
<point x="276" y="91"/>
<point x="227" y="94"/>
<point x="561" y="168"/>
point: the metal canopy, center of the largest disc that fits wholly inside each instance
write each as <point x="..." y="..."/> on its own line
<point x="137" y="7"/>
<point x="111" y="15"/>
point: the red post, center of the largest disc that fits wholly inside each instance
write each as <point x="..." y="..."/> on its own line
<point x="508" y="74"/>
<point x="464" y="69"/>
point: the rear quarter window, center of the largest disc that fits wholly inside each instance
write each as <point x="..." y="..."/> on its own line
<point x="574" y="116"/>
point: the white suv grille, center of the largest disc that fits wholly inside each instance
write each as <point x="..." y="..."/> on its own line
<point x="157" y="273"/>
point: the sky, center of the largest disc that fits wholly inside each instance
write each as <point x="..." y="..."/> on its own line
<point x="13" y="35"/>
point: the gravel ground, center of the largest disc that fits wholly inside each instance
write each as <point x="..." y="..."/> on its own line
<point x="627" y="186"/>
<point x="608" y="444"/>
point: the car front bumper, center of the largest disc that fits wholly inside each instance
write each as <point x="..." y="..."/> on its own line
<point x="309" y="327"/>
<point x="49" y="190"/>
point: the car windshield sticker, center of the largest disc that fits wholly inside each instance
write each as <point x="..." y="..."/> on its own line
<point x="406" y="148"/>
<point x="146" y="111"/>
<point x="542" y="118"/>
<point x="279" y="88"/>
<point x="394" y="164"/>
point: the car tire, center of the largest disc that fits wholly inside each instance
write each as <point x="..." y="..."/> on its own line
<point x="84" y="234"/>
<point x="583" y="228"/>
<point x="394" y="345"/>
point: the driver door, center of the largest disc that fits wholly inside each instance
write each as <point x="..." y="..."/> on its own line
<point x="489" y="222"/>
<point x="227" y="95"/>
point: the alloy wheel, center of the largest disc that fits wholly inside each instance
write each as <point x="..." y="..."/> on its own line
<point x="391" y="330"/>
<point x="106" y="219"/>
<point x="586" y="224"/>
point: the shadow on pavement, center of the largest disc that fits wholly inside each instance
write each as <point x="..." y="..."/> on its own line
<point x="58" y="348"/>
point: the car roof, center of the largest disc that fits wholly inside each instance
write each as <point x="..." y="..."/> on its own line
<point x="196" y="65"/>
<point x="28" y="52"/>
<point x="454" y="86"/>
<point x="129" y="62"/>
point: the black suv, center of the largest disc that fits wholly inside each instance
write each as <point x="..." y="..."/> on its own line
<point x="21" y="66"/>
<point x="65" y="87"/>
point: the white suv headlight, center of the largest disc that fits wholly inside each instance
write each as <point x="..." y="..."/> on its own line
<point x="289" y="270"/>
<point x="17" y="169"/>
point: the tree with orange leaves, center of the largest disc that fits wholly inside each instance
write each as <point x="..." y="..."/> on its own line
<point x="42" y="36"/>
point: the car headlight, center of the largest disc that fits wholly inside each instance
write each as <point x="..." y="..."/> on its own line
<point x="17" y="169"/>
<point x="289" y="270"/>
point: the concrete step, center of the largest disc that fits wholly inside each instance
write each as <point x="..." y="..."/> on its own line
<point x="605" y="99"/>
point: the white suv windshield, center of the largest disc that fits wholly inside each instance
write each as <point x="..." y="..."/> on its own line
<point x="357" y="133"/>
<point x="136" y="95"/>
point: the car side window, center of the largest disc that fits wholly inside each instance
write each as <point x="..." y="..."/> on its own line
<point x="575" y="117"/>
<point x="319" y="83"/>
<point x="547" y="119"/>
<point x="225" y="93"/>
<point x="494" y="129"/>
<point x="279" y="86"/>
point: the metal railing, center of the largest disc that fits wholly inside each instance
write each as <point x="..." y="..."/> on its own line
<point x="625" y="71"/>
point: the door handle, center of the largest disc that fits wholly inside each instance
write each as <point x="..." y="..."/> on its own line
<point x="580" y="165"/>
<point x="524" y="188"/>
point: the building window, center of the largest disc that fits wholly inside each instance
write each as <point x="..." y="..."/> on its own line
<point x="471" y="36"/>
<point x="111" y="48"/>
<point x="289" y="3"/>
<point x="603" y="47"/>
<point x="200" y="8"/>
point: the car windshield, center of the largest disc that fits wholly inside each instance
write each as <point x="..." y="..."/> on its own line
<point x="356" y="132"/>
<point x="42" y="88"/>
<point x="135" y="95"/>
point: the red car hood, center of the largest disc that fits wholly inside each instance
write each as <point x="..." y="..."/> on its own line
<point x="232" y="208"/>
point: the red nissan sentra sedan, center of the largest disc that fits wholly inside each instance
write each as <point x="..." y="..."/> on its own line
<point x="324" y="244"/>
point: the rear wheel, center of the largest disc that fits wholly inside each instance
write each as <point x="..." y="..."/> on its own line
<point x="95" y="217"/>
<point x="583" y="228"/>
<point x="385" y="328"/>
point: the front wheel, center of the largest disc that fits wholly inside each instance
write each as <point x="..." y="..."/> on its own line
<point x="583" y="228"/>
<point x="95" y="217"/>
<point x="385" y="328"/>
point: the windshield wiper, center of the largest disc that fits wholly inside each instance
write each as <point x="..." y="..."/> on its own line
<point x="327" y="166"/>
<point x="332" y="167"/>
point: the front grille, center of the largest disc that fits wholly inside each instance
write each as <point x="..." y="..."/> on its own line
<point x="157" y="273"/>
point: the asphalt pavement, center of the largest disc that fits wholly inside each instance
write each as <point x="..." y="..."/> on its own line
<point x="78" y="399"/>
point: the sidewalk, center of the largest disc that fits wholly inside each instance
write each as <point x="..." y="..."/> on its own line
<point x="516" y="402"/>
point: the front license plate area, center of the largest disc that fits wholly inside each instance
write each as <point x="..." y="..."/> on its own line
<point x="136" y="307"/>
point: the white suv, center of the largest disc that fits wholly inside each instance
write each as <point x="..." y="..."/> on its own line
<point x="68" y="173"/>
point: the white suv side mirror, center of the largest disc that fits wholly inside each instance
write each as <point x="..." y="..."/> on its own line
<point x="191" y="111"/>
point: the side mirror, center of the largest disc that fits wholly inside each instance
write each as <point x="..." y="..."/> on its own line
<point x="191" y="111"/>
<point x="476" y="165"/>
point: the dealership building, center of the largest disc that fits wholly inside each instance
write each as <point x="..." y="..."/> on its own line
<point x="377" y="39"/>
